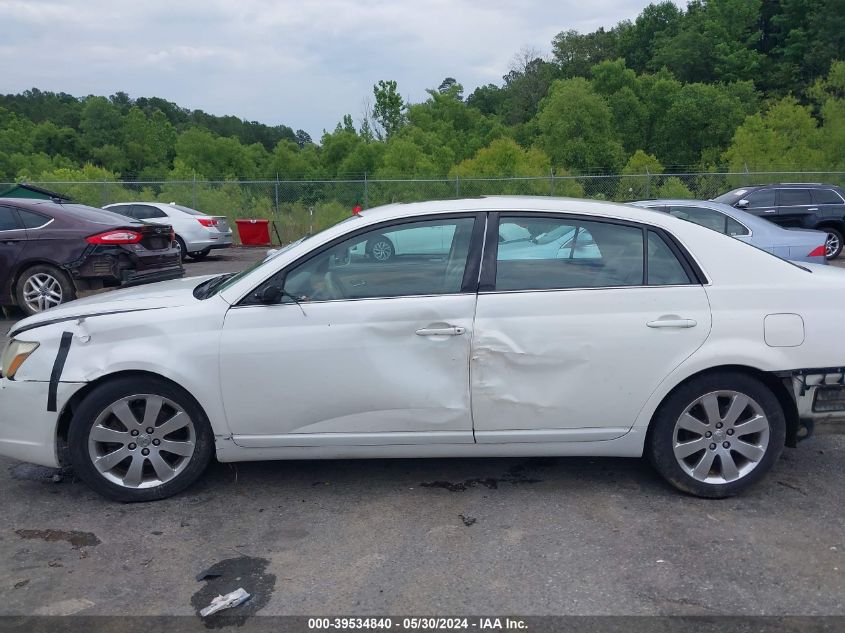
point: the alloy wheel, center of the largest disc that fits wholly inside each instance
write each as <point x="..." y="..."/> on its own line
<point x="42" y="291"/>
<point x="831" y="245"/>
<point x="721" y="437"/>
<point x="382" y="251"/>
<point x="141" y="441"/>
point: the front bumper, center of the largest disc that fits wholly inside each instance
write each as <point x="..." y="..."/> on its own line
<point x="27" y="429"/>
<point x="820" y="398"/>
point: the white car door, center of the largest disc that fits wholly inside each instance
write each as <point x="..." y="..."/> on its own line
<point x="359" y="352"/>
<point x="569" y="349"/>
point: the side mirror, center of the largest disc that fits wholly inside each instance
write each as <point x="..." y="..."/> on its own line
<point x="269" y="295"/>
<point x="742" y="204"/>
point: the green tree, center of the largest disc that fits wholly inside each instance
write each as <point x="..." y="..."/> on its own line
<point x="577" y="53"/>
<point x="638" y="182"/>
<point x="577" y="128"/>
<point x="657" y="21"/>
<point x="785" y="137"/>
<point x="389" y="109"/>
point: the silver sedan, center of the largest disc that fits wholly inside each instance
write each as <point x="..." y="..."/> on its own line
<point x="800" y="245"/>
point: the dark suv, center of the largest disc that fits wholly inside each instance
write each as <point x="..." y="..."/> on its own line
<point x="796" y="205"/>
<point x="50" y="252"/>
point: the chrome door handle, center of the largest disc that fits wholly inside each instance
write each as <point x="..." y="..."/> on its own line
<point x="441" y="331"/>
<point x="813" y="209"/>
<point x="770" y="211"/>
<point x="672" y="323"/>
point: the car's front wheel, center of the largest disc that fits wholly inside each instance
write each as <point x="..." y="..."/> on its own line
<point x="381" y="249"/>
<point x="43" y="287"/>
<point x="833" y="243"/>
<point x="139" y="439"/>
<point x="717" y="434"/>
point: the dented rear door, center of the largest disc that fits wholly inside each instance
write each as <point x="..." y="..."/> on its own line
<point x="578" y="364"/>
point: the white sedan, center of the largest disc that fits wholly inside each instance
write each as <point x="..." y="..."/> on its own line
<point x="197" y="233"/>
<point x="665" y="338"/>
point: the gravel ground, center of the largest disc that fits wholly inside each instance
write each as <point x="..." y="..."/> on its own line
<point x="530" y="537"/>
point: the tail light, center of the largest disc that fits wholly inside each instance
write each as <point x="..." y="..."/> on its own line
<point x="207" y="221"/>
<point x="818" y="251"/>
<point x="115" y="237"/>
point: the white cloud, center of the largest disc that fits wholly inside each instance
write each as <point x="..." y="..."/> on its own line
<point x="304" y="64"/>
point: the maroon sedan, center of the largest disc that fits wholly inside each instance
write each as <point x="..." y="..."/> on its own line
<point x="50" y="253"/>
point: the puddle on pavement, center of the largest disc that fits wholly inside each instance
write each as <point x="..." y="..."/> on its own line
<point x="245" y="571"/>
<point x="519" y="474"/>
<point x="77" y="539"/>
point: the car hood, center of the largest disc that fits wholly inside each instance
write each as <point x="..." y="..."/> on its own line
<point x="165" y="294"/>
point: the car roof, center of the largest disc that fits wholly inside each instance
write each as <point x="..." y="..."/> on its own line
<point x="538" y="204"/>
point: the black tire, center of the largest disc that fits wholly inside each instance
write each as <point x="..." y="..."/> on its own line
<point x="183" y="250"/>
<point x="110" y="392"/>
<point x="661" y="436"/>
<point x="199" y="255"/>
<point x="67" y="289"/>
<point x="833" y="243"/>
<point x="380" y="248"/>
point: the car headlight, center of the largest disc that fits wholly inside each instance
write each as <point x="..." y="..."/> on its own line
<point x="15" y="354"/>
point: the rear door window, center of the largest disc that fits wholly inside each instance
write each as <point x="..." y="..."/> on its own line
<point x="794" y="197"/>
<point x="8" y="219"/>
<point x="146" y="212"/>
<point x="702" y="216"/>
<point x="664" y="268"/>
<point x="122" y="209"/>
<point x="569" y="253"/>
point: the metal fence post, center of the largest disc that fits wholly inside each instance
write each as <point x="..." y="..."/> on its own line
<point x="457" y="186"/>
<point x="366" y="193"/>
<point x="647" y="183"/>
<point x="194" y="193"/>
<point x="276" y="187"/>
<point x="551" y="181"/>
<point x="104" y="195"/>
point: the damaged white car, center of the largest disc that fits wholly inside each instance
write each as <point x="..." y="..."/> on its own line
<point x="637" y="334"/>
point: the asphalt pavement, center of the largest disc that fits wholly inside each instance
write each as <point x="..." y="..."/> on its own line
<point x="582" y="536"/>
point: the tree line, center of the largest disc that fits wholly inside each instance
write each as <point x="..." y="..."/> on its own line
<point x="720" y="85"/>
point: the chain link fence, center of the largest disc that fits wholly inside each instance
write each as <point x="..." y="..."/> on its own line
<point x="298" y="207"/>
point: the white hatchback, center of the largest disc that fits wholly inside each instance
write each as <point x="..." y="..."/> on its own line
<point x="659" y="337"/>
<point x="197" y="233"/>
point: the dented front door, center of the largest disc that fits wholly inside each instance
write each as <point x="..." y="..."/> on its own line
<point x="577" y="365"/>
<point x="364" y="372"/>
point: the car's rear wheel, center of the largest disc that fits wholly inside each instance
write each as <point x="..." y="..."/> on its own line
<point x="183" y="250"/>
<point x="833" y="243"/>
<point x="139" y="439"/>
<point x="381" y="249"/>
<point x="717" y="434"/>
<point x="199" y="255"/>
<point x="43" y="287"/>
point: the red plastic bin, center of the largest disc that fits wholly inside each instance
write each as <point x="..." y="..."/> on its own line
<point x="254" y="232"/>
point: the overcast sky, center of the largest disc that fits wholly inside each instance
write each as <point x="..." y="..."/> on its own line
<point x="304" y="64"/>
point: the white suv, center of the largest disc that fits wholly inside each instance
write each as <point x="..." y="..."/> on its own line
<point x="197" y="233"/>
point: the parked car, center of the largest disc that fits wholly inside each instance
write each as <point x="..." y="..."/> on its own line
<point x="196" y="233"/>
<point x="804" y="205"/>
<point x="50" y="253"/>
<point x="704" y="353"/>
<point x="798" y="245"/>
